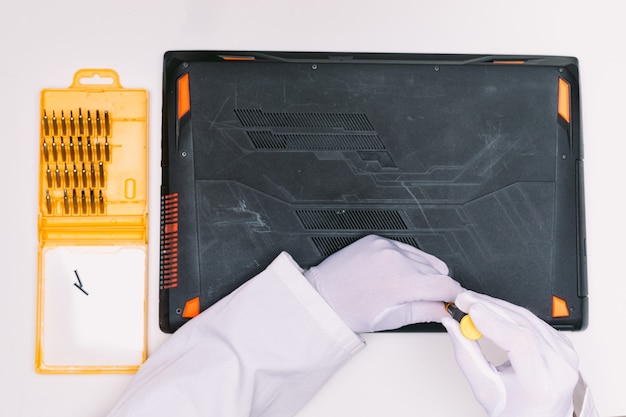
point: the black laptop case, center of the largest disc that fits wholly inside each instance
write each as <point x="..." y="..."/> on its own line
<point x="475" y="159"/>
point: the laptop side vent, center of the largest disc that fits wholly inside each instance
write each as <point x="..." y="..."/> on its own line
<point x="327" y="245"/>
<point x="169" y="241"/>
<point x="264" y="139"/>
<point x="351" y="219"/>
<point x="347" y="121"/>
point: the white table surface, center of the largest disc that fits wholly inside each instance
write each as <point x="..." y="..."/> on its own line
<point x="42" y="44"/>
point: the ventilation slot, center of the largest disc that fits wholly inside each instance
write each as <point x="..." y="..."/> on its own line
<point x="169" y="241"/>
<point x="348" y="121"/>
<point x="351" y="220"/>
<point x="327" y="245"/>
<point x="263" y="139"/>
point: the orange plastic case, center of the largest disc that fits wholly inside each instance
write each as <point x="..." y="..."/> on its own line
<point x="92" y="276"/>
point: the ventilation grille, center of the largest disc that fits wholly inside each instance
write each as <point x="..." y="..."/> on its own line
<point x="264" y="139"/>
<point x="347" y="121"/>
<point x="351" y="220"/>
<point x="169" y="241"/>
<point x="327" y="245"/>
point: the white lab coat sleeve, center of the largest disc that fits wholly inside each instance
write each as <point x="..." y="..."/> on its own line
<point x="263" y="350"/>
<point x="583" y="401"/>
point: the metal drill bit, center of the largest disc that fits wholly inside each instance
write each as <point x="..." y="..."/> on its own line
<point x="89" y="126"/>
<point x="46" y="154"/>
<point x="107" y="124"/>
<point x="72" y="153"/>
<point x="93" y="175"/>
<point x="63" y="151"/>
<point x="74" y="201"/>
<point x="57" y="175"/>
<point x="55" y="126"/>
<point x="49" y="176"/>
<point x="48" y="202"/>
<point x="63" y="123"/>
<point x="46" y="126"/>
<point x="101" y="199"/>
<point x="101" y="170"/>
<point x="81" y="126"/>
<point x="98" y="125"/>
<point x="84" y="172"/>
<point x="66" y="203"/>
<point x="92" y="200"/>
<point x="75" y="172"/>
<point x="107" y="151"/>
<point x="83" y="201"/>
<point x="80" y="148"/>
<point x="55" y="155"/>
<point x="72" y="124"/>
<point x="89" y="150"/>
<point x="98" y="151"/>
<point x="66" y="174"/>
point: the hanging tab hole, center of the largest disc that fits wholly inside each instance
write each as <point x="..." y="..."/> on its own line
<point x="96" y="79"/>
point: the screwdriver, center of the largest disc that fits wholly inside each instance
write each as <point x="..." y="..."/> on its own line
<point x="468" y="329"/>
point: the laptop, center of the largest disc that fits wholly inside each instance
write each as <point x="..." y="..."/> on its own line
<point x="476" y="159"/>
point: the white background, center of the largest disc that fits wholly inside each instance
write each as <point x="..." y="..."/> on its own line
<point x="43" y="43"/>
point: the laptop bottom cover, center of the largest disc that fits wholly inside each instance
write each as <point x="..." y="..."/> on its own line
<point x="474" y="161"/>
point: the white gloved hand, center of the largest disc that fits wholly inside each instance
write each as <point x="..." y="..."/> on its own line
<point x="380" y="284"/>
<point x="539" y="378"/>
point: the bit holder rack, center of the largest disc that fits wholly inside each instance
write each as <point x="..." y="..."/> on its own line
<point x="75" y="167"/>
<point x="92" y="226"/>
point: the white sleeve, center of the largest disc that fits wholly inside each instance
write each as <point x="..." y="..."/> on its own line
<point x="263" y="350"/>
<point x="583" y="401"/>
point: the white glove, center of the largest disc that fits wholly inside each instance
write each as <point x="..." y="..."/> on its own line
<point x="539" y="378"/>
<point x="380" y="284"/>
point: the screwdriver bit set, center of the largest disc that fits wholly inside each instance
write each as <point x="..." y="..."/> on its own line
<point x="92" y="226"/>
<point x="74" y="165"/>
